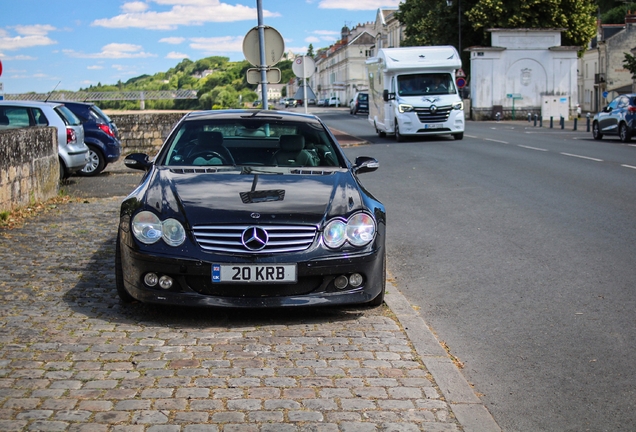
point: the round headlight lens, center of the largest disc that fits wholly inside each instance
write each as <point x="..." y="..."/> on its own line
<point x="173" y="232"/>
<point x="146" y="227"/>
<point x="335" y="234"/>
<point x="360" y="229"/>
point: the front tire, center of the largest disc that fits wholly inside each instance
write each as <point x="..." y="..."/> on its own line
<point x="458" y="136"/>
<point x="596" y="131"/>
<point x="96" y="163"/>
<point x="379" y="299"/>
<point x="119" y="275"/>
<point x="398" y="136"/>
<point x="624" y="133"/>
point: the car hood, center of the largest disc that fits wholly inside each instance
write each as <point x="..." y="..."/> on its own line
<point x="240" y="196"/>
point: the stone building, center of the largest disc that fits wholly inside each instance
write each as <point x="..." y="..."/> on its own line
<point x="523" y="71"/>
<point x="601" y="70"/>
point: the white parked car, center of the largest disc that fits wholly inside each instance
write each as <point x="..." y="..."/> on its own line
<point x="334" y="101"/>
<point x="72" y="150"/>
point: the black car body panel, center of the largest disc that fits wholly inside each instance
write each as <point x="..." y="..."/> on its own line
<point x="219" y="205"/>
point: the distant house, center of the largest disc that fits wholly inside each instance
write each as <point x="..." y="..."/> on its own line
<point x="601" y="69"/>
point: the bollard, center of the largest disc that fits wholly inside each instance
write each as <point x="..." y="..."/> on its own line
<point x="535" y="120"/>
<point x="541" y="121"/>
<point x="498" y="115"/>
<point x="562" y="122"/>
<point x="551" y="122"/>
<point x="529" y="117"/>
<point x="575" y="122"/>
<point x="587" y="116"/>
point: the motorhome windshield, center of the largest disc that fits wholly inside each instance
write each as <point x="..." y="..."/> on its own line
<point x="424" y="84"/>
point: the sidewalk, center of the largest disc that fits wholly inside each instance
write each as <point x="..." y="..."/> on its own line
<point x="72" y="358"/>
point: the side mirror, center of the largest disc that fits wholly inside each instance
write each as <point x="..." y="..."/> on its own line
<point x="607" y="109"/>
<point x="364" y="164"/>
<point x="138" y="161"/>
<point x="385" y="95"/>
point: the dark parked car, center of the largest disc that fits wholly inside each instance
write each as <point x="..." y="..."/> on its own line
<point x="617" y="118"/>
<point x="100" y="135"/>
<point x="359" y="103"/>
<point x="251" y="208"/>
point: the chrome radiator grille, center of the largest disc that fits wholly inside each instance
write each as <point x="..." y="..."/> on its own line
<point x="269" y="238"/>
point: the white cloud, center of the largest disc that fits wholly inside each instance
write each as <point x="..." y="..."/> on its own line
<point x="172" y="40"/>
<point x="95" y="67"/>
<point x="182" y="13"/>
<point x="177" y="55"/>
<point x="30" y="36"/>
<point x="34" y="30"/>
<point x="312" y="39"/>
<point x="134" y="7"/>
<point x="18" y="57"/>
<point x="357" y="4"/>
<point x="114" y="51"/>
<point x="221" y="44"/>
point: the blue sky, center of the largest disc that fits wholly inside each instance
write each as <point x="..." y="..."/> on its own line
<point x="79" y="42"/>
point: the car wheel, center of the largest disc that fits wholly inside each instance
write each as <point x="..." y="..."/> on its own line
<point x="398" y="136"/>
<point x="596" y="131"/>
<point x="119" y="275"/>
<point x="458" y="136"/>
<point x="379" y="299"/>
<point x="96" y="163"/>
<point x="64" y="174"/>
<point x="624" y="133"/>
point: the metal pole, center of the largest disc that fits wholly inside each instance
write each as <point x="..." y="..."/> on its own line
<point x="261" y="43"/>
<point x="459" y="26"/>
<point x="304" y="83"/>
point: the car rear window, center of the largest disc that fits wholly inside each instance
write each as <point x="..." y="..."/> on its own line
<point x="67" y="115"/>
<point x="100" y="114"/>
<point x="363" y="96"/>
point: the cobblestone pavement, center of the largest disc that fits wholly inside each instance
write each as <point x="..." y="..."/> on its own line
<point x="72" y="358"/>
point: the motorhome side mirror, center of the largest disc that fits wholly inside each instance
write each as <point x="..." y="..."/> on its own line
<point x="385" y="95"/>
<point x="138" y="161"/>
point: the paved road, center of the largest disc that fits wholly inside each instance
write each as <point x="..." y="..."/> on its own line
<point x="73" y="358"/>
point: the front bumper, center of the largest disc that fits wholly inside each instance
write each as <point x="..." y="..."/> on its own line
<point x="193" y="284"/>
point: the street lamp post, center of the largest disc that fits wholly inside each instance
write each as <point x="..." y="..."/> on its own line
<point x="449" y="3"/>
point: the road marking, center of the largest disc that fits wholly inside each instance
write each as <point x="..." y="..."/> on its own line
<point x="497" y="141"/>
<point x="531" y="148"/>
<point x="629" y="166"/>
<point x="582" y="157"/>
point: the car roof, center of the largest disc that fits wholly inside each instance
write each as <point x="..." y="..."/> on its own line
<point x="22" y="103"/>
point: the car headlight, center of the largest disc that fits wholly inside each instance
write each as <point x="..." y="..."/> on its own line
<point x="359" y="231"/>
<point x="458" y="106"/>
<point x="149" y="229"/>
<point x="335" y="233"/>
<point x="405" y="108"/>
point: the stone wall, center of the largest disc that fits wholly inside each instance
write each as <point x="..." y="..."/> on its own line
<point x="29" y="166"/>
<point x="144" y="132"/>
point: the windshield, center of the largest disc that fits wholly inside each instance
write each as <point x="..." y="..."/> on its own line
<point x="425" y="84"/>
<point x="251" y="141"/>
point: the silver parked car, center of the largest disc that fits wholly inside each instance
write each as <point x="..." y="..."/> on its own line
<point x="72" y="150"/>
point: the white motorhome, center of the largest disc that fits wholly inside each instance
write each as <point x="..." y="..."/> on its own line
<point x="412" y="91"/>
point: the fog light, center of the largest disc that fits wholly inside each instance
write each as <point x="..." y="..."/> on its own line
<point x="341" y="282"/>
<point x="165" y="282"/>
<point x="151" y="279"/>
<point x="355" y="280"/>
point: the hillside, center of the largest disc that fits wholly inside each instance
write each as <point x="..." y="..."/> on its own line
<point x="219" y="83"/>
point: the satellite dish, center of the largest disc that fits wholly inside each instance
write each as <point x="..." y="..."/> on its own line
<point x="274" y="46"/>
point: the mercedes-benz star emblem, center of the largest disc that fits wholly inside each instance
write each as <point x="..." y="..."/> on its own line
<point x="254" y="238"/>
<point x="433" y="109"/>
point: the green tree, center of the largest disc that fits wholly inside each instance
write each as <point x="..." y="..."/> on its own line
<point x="577" y="17"/>
<point x="630" y="64"/>
<point x="310" y="50"/>
<point x="616" y="15"/>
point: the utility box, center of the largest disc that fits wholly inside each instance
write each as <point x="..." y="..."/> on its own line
<point x="555" y="106"/>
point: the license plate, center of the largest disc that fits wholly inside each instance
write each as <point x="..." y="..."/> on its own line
<point x="433" y="126"/>
<point x="256" y="273"/>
